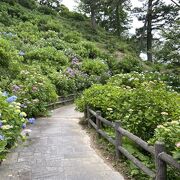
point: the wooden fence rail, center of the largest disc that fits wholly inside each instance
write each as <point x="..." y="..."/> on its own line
<point x="158" y="151"/>
<point x="62" y="100"/>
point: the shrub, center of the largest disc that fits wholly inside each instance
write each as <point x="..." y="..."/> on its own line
<point x="45" y="24"/>
<point x="47" y="55"/>
<point x="94" y="67"/>
<point x="135" y="79"/>
<point x="140" y="109"/>
<point x="129" y="63"/>
<point x="169" y="134"/>
<point x="92" y="51"/>
<point x="11" y="121"/>
<point x="72" y="37"/>
<point x="46" y="10"/>
<point x="9" y="58"/>
<point x="31" y="4"/>
<point x="64" y="84"/>
<point x="34" y="90"/>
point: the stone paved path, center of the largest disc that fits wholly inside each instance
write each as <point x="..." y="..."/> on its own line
<point x="57" y="149"/>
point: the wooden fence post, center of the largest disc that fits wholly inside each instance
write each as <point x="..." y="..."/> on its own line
<point x="63" y="100"/>
<point x="88" y="116"/>
<point x="118" y="138"/>
<point x="98" y="122"/>
<point x="161" y="167"/>
<point x="85" y="112"/>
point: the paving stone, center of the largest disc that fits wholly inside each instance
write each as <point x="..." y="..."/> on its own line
<point x="57" y="149"/>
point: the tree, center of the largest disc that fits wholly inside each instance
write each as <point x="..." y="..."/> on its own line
<point x="90" y="7"/>
<point x="156" y="16"/>
<point x="110" y="14"/>
<point x="168" y="51"/>
<point x="50" y="3"/>
<point x="113" y="16"/>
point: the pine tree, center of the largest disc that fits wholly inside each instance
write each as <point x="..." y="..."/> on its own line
<point x="110" y="14"/>
<point x="156" y="16"/>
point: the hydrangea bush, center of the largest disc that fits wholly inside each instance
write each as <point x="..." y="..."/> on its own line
<point x="34" y="91"/>
<point x="169" y="133"/>
<point x="12" y="121"/>
<point x="140" y="109"/>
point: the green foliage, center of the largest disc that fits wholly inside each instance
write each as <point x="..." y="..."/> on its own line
<point x="91" y="49"/>
<point x="34" y="90"/>
<point x="135" y="79"/>
<point x="31" y="4"/>
<point x="47" y="10"/>
<point x="11" y="124"/>
<point x="140" y="109"/>
<point x="169" y="134"/>
<point x="72" y="37"/>
<point x="63" y="83"/>
<point x="129" y="63"/>
<point x="9" y="59"/>
<point x="47" y="55"/>
<point x="94" y="67"/>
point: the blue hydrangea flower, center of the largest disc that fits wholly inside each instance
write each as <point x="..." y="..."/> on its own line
<point x="31" y="120"/>
<point x="5" y="94"/>
<point x="1" y="124"/>
<point x="1" y="137"/>
<point x="24" y="126"/>
<point x="21" y="53"/>
<point x="11" y="99"/>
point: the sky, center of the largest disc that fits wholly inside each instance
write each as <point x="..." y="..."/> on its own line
<point x="135" y="3"/>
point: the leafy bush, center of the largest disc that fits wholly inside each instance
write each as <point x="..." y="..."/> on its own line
<point x="135" y="79"/>
<point x="31" y="4"/>
<point x="140" y="109"/>
<point x="94" y="67"/>
<point x="169" y="134"/>
<point x="9" y="58"/>
<point x="92" y="50"/>
<point x="72" y="37"/>
<point x="47" y="10"/>
<point x="129" y="63"/>
<point x="47" y="55"/>
<point x="11" y="122"/>
<point x="46" y="24"/>
<point x="34" y="90"/>
<point x="64" y="84"/>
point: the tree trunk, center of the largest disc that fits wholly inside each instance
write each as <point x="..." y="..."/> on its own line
<point x="118" y="20"/>
<point x="149" y="31"/>
<point x="93" y="19"/>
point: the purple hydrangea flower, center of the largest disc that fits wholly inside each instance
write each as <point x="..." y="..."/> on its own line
<point x="11" y="99"/>
<point x="75" y="61"/>
<point x="70" y="72"/>
<point x="1" y="137"/>
<point x="16" y="88"/>
<point x="31" y="120"/>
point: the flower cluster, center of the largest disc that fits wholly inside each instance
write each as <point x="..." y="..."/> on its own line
<point x="70" y="72"/>
<point x="75" y="61"/>
<point x="9" y="34"/>
<point x="11" y="99"/>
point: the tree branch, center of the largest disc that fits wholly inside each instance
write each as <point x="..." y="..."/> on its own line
<point x="175" y="3"/>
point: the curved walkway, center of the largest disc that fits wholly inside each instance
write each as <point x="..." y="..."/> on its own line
<point x="57" y="149"/>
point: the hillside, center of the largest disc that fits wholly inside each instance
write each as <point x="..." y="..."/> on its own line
<point x="45" y="54"/>
<point x="62" y="48"/>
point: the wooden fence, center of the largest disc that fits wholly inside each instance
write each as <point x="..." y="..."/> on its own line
<point x="62" y="100"/>
<point x="157" y="151"/>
